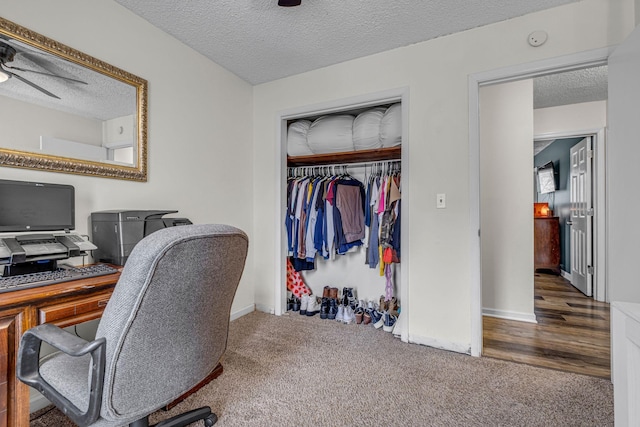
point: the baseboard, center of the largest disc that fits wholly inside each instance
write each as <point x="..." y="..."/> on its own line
<point x="265" y="308"/>
<point x="566" y="275"/>
<point x="510" y="315"/>
<point x="440" y="344"/>
<point x="242" y="312"/>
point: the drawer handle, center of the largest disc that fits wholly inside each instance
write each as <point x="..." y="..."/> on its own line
<point x="103" y="303"/>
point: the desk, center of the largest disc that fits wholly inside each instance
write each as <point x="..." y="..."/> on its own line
<point x="63" y="304"/>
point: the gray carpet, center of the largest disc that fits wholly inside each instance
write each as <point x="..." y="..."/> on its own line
<point x="303" y="371"/>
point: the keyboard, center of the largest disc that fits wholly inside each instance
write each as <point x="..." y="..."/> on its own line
<point x="62" y="274"/>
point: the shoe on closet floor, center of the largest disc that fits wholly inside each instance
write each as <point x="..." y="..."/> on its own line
<point x="325" y="292"/>
<point x="393" y="306"/>
<point x="384" y="305"/>
<point x="304" y="300"/>
<point x="333" y="309"/>
<point x="389" y="322"/>
<point x="324" y="308"/>
<point x="333" y="293"/>
<point x="340" y="313"/>
<point x="366" y="317"/>
<point x="349" y="316"/>
<point x="313" y="306"/>
<point x="295" y="306"/>
<point x="375" y="316"/>
<point x="359" y="315"/>
<point x="380" y="322"/>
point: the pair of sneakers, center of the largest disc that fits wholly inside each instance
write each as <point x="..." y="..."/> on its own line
<point x="309" y="305"/>
<point x="328" y="308"/>
<point x="345" y="314"/>
<point x="386" y="321"/>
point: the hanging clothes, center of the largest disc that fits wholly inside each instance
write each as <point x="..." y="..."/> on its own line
<point x="325" y="215"/>
<point x="384" y="195"/>
<point x="331" y="214"/>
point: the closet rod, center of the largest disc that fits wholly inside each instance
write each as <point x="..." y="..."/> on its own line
<point x="370" y="163"/>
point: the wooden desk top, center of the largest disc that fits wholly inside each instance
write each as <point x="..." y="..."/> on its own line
<point x="58" y="290"/>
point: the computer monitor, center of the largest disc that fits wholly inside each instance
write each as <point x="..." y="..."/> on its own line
<point x="36" y="206"/>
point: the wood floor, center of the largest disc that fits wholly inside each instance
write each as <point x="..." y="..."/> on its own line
<point x="572" y="333"/>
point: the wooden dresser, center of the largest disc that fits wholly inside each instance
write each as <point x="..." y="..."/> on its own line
<point x="546" y="243"/>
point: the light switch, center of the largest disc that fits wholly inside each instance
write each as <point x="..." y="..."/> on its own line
<point x="441" y="201"/>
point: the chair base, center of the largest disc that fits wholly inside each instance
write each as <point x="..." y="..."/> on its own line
<point x="182" y="420"/>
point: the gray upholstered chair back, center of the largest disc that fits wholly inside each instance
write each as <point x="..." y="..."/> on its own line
<point x="166" y="324"/>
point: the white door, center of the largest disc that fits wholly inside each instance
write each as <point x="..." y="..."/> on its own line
<point x="623" y="173"/>
<point x="580" y="222"/>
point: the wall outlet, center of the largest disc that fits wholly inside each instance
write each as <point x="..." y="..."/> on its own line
<point x="441" y="201"/>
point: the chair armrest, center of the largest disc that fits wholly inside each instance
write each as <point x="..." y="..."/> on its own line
<point x="28" y="368"/>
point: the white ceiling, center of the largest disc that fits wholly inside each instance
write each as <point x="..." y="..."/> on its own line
<point x="260" y="41"/>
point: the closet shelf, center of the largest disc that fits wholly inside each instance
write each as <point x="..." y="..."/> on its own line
<point x="378" y="154"/>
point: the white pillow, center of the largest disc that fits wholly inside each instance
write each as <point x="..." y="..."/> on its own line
<point x="391" y="126"/>
<point x="366" y="129"/>
<point x="331" y="134"/>
<point x="297" y="144"/>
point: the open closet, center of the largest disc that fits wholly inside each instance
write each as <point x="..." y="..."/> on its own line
<point x="343" y="214"/>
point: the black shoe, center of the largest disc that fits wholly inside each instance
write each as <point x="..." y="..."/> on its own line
<point x="324" y="308"/>
<point x="345" y="296"/>
<point x="333" y="309"/>
<point x="295" y="305"/>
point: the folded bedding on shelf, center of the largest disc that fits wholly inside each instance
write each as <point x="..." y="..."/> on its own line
<point x="297" y="144"/>
<point x="331" y="134"/>
<point x="378" y="127"/>
<point x="366" y="129"/>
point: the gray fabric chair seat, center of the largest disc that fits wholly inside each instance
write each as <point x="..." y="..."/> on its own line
<point x="165" y="327"/>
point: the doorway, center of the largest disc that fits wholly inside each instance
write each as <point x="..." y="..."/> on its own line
<point x="538" y="305"/>
<point x="512" y="74"/>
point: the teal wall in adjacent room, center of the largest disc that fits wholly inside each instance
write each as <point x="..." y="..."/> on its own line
<point x="560" y="200"/>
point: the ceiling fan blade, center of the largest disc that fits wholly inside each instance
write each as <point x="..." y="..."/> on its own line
<point x="47" y="74"/>
<point x="33" y="85"/>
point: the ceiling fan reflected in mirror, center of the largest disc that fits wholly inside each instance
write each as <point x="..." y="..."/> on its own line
<point x="7" y="55"/>
<point x="289" y="3"/>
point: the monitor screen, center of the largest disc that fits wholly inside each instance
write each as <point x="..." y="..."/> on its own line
<point x="34" y="206"/>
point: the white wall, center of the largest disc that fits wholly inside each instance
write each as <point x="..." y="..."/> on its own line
<point x="623" y="174"/>
<point x="436" y="73"/>
<point x="570" y="118"/>
<point x="21" y="132"/>
<point x="506" y="200"/>
<point x="199" y="121"/>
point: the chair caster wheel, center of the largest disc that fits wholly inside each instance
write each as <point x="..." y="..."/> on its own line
<point x="211" y="420"/>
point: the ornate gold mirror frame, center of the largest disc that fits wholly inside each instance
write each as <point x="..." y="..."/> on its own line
<point x="137" y="171"/>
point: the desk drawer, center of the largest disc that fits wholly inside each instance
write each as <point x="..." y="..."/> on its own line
<point x="74" y="311"/>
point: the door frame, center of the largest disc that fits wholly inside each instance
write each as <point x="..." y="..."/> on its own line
<point x="591" y="58"/>
<point x="400" y="94"/>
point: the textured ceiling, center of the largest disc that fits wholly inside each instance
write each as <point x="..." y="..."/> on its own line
<point x="572" y="87"/>
<point x="261" y="42"/>
<point x="101" y="98"/>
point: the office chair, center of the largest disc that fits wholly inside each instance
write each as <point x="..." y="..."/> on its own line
<point x="163" y="331"/>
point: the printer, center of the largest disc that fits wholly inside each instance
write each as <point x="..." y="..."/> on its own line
<point x="116" y="232"/>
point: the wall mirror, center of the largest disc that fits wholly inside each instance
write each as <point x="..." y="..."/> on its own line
<point x="63" y="110"/>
